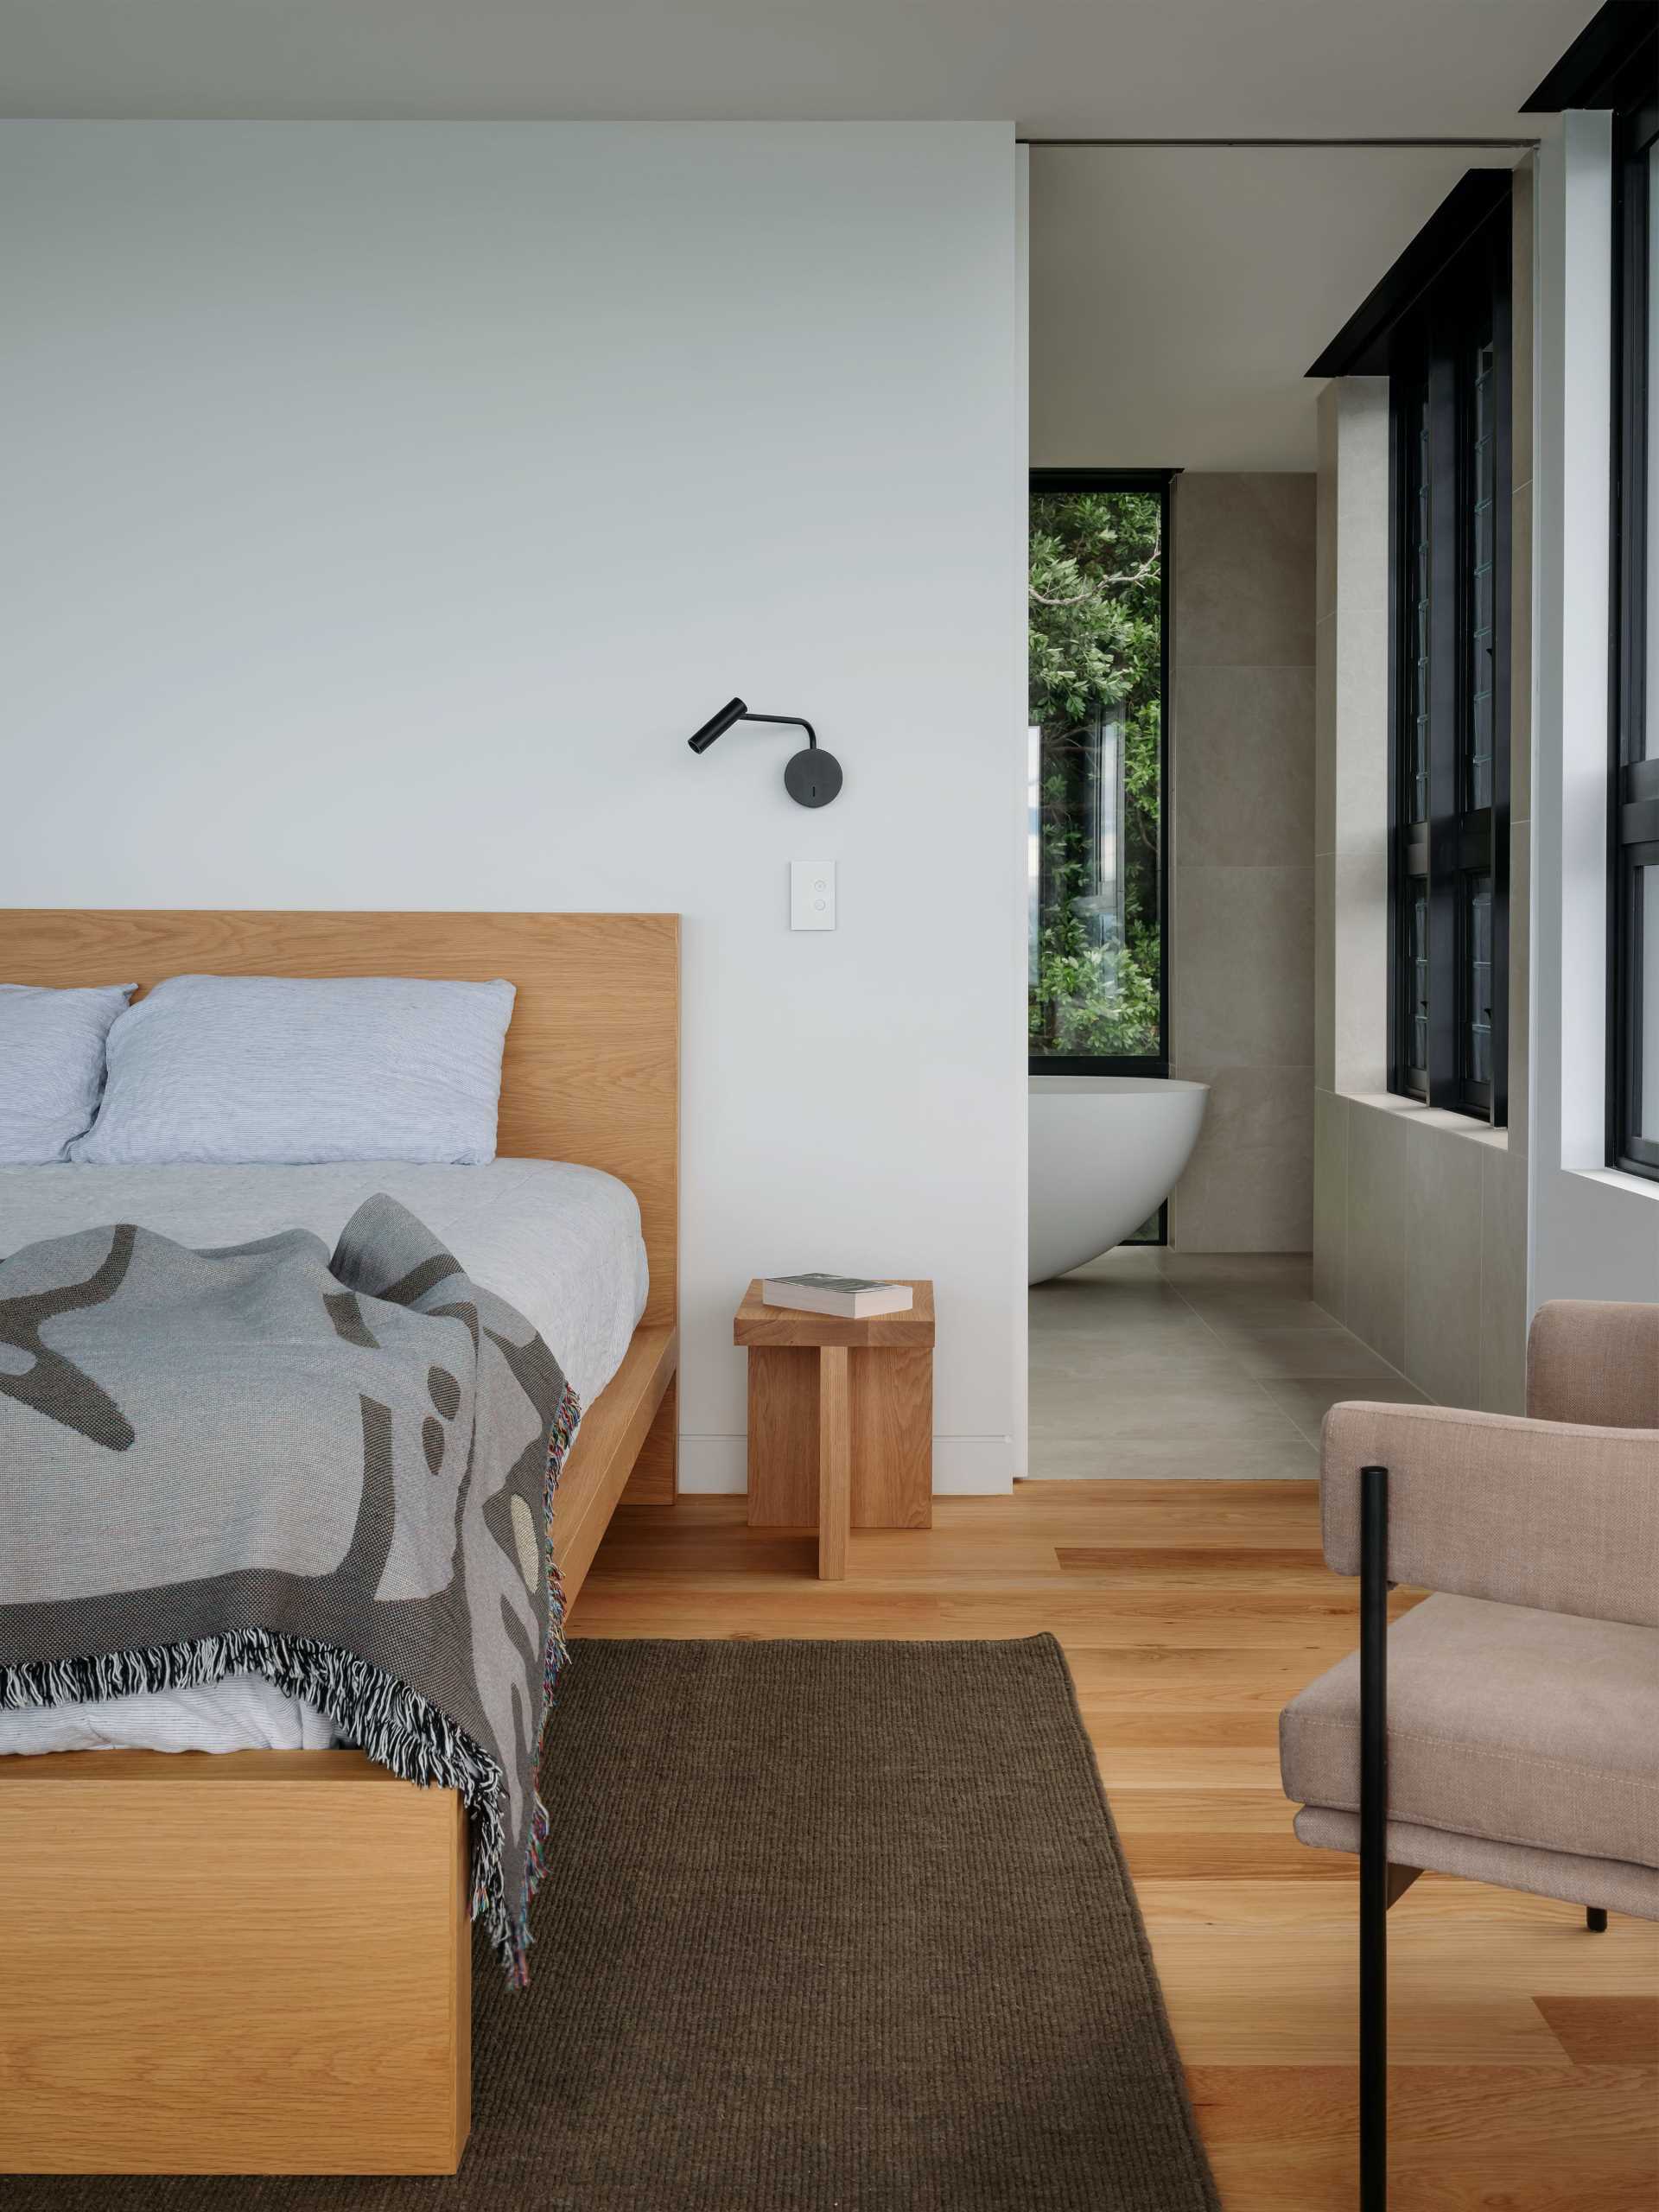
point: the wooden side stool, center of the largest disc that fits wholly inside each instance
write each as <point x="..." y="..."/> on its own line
<point x="841" y="1420"/>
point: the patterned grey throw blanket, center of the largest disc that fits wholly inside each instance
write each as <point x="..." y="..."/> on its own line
<point x="333" y="1472"/>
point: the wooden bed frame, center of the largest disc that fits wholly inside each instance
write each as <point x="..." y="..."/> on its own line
<point x="259" y="1962"/>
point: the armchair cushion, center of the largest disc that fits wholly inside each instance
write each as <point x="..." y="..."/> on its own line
<point x="1531" y="1513"/>
<point x="1521" y="1727"/>
<point x="1594" y="1361"/>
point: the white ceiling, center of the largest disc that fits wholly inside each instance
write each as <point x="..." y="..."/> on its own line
<point x="1179" y="295"/>
<point x="1130" y="68"/>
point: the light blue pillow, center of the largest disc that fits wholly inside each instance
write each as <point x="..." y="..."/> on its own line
<point x="225" y="1069"/>
<point x="51" y="1066"/>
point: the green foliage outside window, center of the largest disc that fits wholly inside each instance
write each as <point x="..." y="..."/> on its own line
<point x="1095" y="595"/>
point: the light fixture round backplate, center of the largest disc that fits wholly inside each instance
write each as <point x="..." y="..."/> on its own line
<point x="813" y="777"/>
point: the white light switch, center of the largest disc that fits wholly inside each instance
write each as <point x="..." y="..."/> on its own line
<point x="811" y="894"/>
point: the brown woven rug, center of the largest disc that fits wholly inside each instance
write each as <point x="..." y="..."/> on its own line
<point x="826" y="1928"/>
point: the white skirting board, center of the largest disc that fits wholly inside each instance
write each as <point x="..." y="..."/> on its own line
<point x="963" y="1466"/>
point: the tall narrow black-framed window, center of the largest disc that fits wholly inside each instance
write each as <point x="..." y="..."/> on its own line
<point x="1098" y="608"/>
<point x="1633" y="1027"/>
<point x="1437" y="326"/>
<point x="1448" y="359"/>
<point x="1613" y="64"/>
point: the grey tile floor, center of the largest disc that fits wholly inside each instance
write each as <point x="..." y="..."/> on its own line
<point x="1154" y="1364"/>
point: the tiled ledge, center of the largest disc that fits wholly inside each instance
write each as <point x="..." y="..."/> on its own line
<point x="1614" y="1179"/>
<point x="1429" y="1117"/>
<point x="1421" y="1242"/>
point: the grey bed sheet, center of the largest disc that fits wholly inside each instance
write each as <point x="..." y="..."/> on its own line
<point x="560" y="1243"/>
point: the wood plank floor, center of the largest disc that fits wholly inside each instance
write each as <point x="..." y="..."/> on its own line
<point x="1526" y="2052"/>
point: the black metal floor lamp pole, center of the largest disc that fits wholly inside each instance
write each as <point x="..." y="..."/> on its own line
<point x="1374" y="1839"/>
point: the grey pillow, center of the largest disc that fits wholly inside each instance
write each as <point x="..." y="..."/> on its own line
<point x="227" y="1069"/>
<point x="51" y="1066"/>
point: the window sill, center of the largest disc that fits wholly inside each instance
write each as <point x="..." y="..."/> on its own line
<point x="1436" y="1117"/>
<point x="1615" y="1178"/>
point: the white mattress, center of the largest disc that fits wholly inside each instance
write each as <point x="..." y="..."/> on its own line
<point x="560" y="1243"/>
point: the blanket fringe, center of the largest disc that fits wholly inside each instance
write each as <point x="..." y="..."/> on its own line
<point x="394" y="1726"/>
<point x="567" y="1420"/>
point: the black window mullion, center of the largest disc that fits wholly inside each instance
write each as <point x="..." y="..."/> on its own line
<point x="1411" y="593"/>
<point x="1500" y="254"/>
<point x="1635" y="792"/>
<point x="1482" y="351"/>
<point x="1445" y="699"/>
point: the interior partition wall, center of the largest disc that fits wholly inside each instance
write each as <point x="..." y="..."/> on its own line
<point x="350" y="479"/>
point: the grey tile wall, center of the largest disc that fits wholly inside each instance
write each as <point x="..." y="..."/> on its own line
<point x="1246" y="794"/>
<point x="1243" y="894"/>
<point x="1330" y="1201"/>
<point x="1244" y="994"/>
<point x="1245" y="550"/>
<point x="1379" y="1202"/>
<point x="1503" y="1387"/>
<point x="1443" y="1248"/>
<point x="1248" y="1185"/>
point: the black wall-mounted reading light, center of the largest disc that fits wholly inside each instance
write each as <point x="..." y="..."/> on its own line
<point x="811" y="779"/>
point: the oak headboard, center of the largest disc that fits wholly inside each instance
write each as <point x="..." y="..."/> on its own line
<point x="592" y="1071"/>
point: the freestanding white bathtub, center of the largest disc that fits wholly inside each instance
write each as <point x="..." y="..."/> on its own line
<point x="1106" y="1151"/>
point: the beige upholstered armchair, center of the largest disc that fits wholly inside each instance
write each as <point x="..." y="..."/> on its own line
<point x="1508" y="1727"/>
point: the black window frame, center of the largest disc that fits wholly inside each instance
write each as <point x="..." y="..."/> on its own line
<point x="1444" y="860"/>
<point x="1633" y="812"/>
<point x="1158" y="483"/>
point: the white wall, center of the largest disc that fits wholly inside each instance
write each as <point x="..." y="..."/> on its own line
<point x="385" y="504"/>
<point x="1595" y="1232"/>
